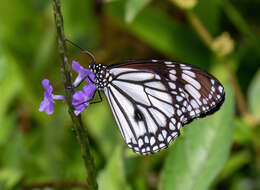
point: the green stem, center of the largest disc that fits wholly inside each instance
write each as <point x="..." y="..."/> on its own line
<point x="200" y="29"/>
<point x="67" y="80"/>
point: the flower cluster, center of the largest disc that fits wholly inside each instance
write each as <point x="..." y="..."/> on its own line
<point x="80" y="99"/>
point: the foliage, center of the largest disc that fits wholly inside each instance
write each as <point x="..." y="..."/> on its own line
<point x="221" y="151"/>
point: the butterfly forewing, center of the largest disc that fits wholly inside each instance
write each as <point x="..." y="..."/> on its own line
<point x="152" y="100"/>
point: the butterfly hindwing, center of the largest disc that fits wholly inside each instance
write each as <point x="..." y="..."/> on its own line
<point x="152" y="100"/>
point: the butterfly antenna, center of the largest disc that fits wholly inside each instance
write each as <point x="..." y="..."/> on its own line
<point x="83" y="51"/>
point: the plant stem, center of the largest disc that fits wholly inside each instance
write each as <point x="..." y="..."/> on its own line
<point x="200" y="29"/>
<point x="67" y="81"/>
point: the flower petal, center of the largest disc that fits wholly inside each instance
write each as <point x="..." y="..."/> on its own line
<point x="83" y="74"/>
<point x="81" y="98"/>
<point x="46" y="86"/>
<point x="47" y="105"/>
<point x="89" y="91"/>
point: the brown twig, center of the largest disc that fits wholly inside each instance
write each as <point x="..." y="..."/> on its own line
<point x="241" y="101"/>
<point x="67" y="80"/>
<point x="200" y="29"/>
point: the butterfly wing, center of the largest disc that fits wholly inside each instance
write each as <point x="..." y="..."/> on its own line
<point x="152" y="100"/>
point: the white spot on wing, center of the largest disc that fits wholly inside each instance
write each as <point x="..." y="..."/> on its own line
<point x="192" y="81"/>
<point x="146" y="140"/>
<point x="137" y="76"/>
<point x="116" y="71"/>
<point x="173" y="77"/>
<point x="173" y="120"/>
<point x="185" y="67"/>
<point x="155" y="148"/>
<point x="152" y="140"/>
<point x="169" y="139"/>
<point x="194" y="104"/>
<point x="164" y="107"/>
<point x="173" y="71"/>
<point x="152" y="127"/>
<point x="168" y="62"/>
<point x="171" y="126"/>
<point x="157" y="77"/>
<point x="160" y="137"/>
<point x="140" y="142"/>
<point x="179" y="112"/>
<point x="179" y="125"/>
<point x="172" y="85"/>
<point x="161" y="95"/>
<point x="192" y="113"/>
<point x="190" y="73"/>
<point x="162" y="145"/>
<point x="174" y="134"/>
<point x="160" y="118"/>
<point x="156" y="84"/>
<point x="141" y="129"/>
<point x="192" y="91"/>
<point x="179" y="98"/>
<point x="133" y="90"/>
<point x="164" y="133"/>
<point x="220" y="89"/>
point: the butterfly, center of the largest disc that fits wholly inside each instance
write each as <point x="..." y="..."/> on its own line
<point x="152" y="100"/>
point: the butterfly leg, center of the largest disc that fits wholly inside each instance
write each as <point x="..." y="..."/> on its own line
<point x="98" y="101"/>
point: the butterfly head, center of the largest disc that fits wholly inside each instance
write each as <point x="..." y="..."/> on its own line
<point x="101" y="74"/>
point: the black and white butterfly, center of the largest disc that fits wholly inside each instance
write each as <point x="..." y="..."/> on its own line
<point x="151" y="99"/>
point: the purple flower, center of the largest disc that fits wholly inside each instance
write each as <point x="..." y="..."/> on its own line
<point x="47" y="104"/>
<point x="81" y="98"/>
<point x="83" y="74"/>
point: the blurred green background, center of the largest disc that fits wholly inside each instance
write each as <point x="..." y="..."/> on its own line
<point x="218" y="152"/>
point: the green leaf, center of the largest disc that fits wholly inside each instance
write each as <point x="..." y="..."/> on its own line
<point x="201" y="152"/>
<point x="253" y="96"/>
<point x="8" y="123"/>
<point x="98" y="127"/>
<point x="235" y="162"/>
<point x="81" y="23"/>
<point x="42" y="59"/>
<point x="133" y="7"/>
<point x="242" y="133"/>
<point x="112" y="177"/>
<point x="209" y="14"/>
<point x="11" y="81"/>
<point x="163" y="33"/>
<point x="9" y="178"/>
